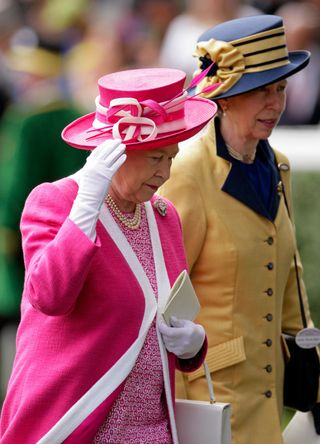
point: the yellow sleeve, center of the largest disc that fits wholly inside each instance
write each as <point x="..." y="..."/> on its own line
<point x="184" y="192"/>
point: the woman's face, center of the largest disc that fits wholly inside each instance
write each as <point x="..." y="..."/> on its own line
<point x="143" y="173"/>
<point x="253" y="115"/>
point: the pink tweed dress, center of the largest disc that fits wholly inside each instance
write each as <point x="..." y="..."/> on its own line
<point x="139" y="415"/>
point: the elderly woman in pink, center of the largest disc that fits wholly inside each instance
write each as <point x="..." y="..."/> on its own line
<point x="94" y="362"/>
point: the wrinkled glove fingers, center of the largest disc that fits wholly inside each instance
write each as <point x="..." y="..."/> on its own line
<point x="179" y="323"/>
<point x="105" y="165"/>
<point x="96" y="153"/>
<point x="104" y="149"/>
<point x="184" y="339"/>
<point x="165" y="330"/>
<point x="112" y="158"/>
<point x="117" y="164"/>
<point x="171" y="335"/>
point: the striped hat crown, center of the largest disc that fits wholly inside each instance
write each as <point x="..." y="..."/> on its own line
<point x="248" y="53"/>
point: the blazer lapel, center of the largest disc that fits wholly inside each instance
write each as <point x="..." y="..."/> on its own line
<point x="238" y="186"/>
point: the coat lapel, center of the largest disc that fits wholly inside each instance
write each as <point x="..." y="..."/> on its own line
<point x="239" y="186"/>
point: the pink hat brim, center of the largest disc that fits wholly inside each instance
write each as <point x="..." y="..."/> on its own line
<point x="198" y="112"/>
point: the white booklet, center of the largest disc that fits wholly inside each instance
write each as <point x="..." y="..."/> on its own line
<point x="182" y="301"/>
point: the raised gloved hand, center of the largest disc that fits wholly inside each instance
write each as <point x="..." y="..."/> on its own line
<point x="316" y="417"/>
<point x="184" y="338"/>
<point x="94" y="181"/>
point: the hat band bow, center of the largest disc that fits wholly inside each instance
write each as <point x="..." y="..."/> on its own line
<point x="134" y="121"/>
<point x="255" y="53"/>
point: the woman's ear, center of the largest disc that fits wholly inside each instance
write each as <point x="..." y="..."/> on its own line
<point x="223" y="105"/>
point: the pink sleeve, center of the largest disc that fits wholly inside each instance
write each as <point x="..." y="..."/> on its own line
<point x="192" y="364"/>
<point x="57" y="253"/>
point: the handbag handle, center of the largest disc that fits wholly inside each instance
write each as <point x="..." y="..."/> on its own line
<point x="303" y="314"/>
<point x="212" y="397"/>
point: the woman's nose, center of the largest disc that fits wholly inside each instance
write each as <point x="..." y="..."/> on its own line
<point x="164" y="170"/>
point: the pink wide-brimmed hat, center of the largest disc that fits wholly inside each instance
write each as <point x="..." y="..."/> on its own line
<point x="146" y="108"/>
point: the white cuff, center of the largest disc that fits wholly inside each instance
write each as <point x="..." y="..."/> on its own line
<point x="85" y="218"/>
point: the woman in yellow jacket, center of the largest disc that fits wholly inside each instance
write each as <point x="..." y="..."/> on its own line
<point x="239" y="239"/>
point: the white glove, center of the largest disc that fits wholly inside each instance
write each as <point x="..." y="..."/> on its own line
<point x="95" y="179"/>
<point x="184" y="338"/>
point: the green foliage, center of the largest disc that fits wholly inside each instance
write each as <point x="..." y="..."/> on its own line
<point x="286" y="417"/>
<point x="306" y="202"/>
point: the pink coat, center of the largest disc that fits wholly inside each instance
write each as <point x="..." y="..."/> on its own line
<point x="82" y="307"/>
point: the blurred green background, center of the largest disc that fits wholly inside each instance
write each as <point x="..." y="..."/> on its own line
<point x="306" y="202"/>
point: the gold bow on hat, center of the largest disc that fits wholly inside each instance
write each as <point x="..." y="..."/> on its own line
<point x="255" y="53"/>
<point x="229" y="63"/>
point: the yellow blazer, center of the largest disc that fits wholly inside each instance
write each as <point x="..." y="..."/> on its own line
<point x="241" y="265"/>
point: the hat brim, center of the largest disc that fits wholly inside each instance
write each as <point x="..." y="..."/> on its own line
<point x="248" y="82"/>
<point x="198" y="112"/>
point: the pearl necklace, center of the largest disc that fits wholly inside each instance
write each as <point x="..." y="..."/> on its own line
<point x="130" y="222"/>
<point x="246" y="158"/>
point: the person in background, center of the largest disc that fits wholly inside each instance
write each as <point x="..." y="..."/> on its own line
<point x="101" y="252"/>
<point x="268" y="7"/>
<point x="228" y="186"/>
<point x="141" y="30"/>
<point x="302" y="27"/>
<point x="184" y="29"/>
<point x="31" y="152"/>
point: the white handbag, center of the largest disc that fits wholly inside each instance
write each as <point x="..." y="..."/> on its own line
<point x="203" y="422"/>
<point x="301" y="430"/>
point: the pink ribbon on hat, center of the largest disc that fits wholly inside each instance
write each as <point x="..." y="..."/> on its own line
<point x="131" y="120"/>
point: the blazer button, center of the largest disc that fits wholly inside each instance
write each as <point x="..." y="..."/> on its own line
<point x="269" y="266"/>
<point x="269" y="240"/>
<point x="268" y="368"/>
<point x="269" y="291"/>
<point x="268" y="394"/>
<point x="268" y="342"/>
<point x="269" y="317"/>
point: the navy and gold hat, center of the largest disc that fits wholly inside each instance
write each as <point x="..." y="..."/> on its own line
<point x="248" y="53"/>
